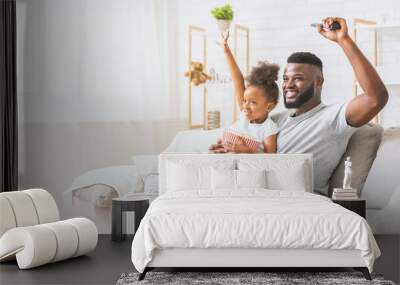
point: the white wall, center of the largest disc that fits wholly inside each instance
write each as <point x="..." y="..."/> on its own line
<point x="79" y="105"/>
<point x="91" y="89"/>
<point x="280" y="27"/>
<point x="80" y="61"/>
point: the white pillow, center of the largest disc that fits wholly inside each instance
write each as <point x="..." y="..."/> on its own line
<point x="291" y="178"/>
<point x="223" y="179"/>
<point x="226" y="179"/>
<point x="251" y="178"/>
<point x="285" y="174"/>
<point x="99" y="195"/>
<point x="187" y="174"/>
<point x="184" y="177"/>
<point x="151" y="184"/>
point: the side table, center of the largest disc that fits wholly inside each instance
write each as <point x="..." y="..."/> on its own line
<point x="138" y="203"/>
<point x="357" y="206"/>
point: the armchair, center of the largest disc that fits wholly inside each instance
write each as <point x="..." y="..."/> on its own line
<point x="31" y="231"/>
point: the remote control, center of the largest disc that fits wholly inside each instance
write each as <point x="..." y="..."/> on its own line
<point x="333" y="26"/>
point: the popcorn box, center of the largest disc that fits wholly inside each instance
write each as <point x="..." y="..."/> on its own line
<point x="233" y="137"/>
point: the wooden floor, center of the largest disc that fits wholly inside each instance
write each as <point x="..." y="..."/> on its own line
<point x="111" y="259"/>
<point x="103" y="266"/>
<point x="389" y="262"/>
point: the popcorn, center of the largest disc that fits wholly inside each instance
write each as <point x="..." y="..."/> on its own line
<point x="233" y="137"/>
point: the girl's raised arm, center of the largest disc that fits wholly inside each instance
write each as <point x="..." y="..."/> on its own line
<point x="237" y="76"/>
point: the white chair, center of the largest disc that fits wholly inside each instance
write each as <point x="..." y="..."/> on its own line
<point x="31" y="230"/>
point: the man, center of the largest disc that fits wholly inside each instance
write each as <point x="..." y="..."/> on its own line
<point x="313" y="127"/>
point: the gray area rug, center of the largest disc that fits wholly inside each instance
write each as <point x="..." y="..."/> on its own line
<point x="229" y="278"/>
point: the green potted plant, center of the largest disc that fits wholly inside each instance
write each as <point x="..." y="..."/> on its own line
<point x="224" y="16"/>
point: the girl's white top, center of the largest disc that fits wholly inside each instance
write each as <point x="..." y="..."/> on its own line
<point x="258" y="132"/>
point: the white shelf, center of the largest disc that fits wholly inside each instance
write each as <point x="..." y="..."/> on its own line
<point x="388" y="85"/>
<point x="387" y="27"/>
<point x="392" y="30"/>
<point x="389" y="78"/>
<point x="388" y="74"/>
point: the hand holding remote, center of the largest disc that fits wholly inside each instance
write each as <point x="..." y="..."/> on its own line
<point x="334" y="29"/>
<point x="334" y="26"/>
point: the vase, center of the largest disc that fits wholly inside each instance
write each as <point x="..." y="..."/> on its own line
<point x="223" y="25"/>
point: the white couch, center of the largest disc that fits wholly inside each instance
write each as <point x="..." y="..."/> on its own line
<point x="31" y="231"/>
<point x="376" y="179"/>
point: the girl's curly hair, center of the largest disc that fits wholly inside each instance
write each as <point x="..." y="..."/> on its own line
<point x="264" y="75"/>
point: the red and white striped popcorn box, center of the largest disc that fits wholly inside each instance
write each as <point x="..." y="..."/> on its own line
<point x="233" y="137"/>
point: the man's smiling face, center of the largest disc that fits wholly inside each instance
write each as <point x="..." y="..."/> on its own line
<point x="300" y="84"/>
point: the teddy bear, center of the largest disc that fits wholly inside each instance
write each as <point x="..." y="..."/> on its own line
<point x="196" y="74"/>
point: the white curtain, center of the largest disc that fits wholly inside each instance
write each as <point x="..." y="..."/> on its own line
<point x="153" y="56"/>
<point x="97" y="60"/>
<point x="96" y="86"/>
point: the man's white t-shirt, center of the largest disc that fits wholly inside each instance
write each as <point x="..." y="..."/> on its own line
<point x="258" y="132"/>
<point x="322" y="131"/>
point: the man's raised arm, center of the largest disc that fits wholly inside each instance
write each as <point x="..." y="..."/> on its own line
<point x="363" y="108"/>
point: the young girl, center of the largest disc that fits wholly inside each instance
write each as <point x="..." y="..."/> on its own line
<point x="255" y="102"/>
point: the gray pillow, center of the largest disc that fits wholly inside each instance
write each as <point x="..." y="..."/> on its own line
<point x="362" y="148"/>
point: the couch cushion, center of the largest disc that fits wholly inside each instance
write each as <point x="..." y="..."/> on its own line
<point x="362" y="148"/>
<point x="384" y="177"/>
<point x="194" y="141"/>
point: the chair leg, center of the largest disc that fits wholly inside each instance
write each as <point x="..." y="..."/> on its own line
<point x="364" y="271"/>
<point x="143" y="274"/>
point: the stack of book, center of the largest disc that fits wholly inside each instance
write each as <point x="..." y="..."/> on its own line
<point x="345" y="194"/>
<point x="213" y="120"/>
